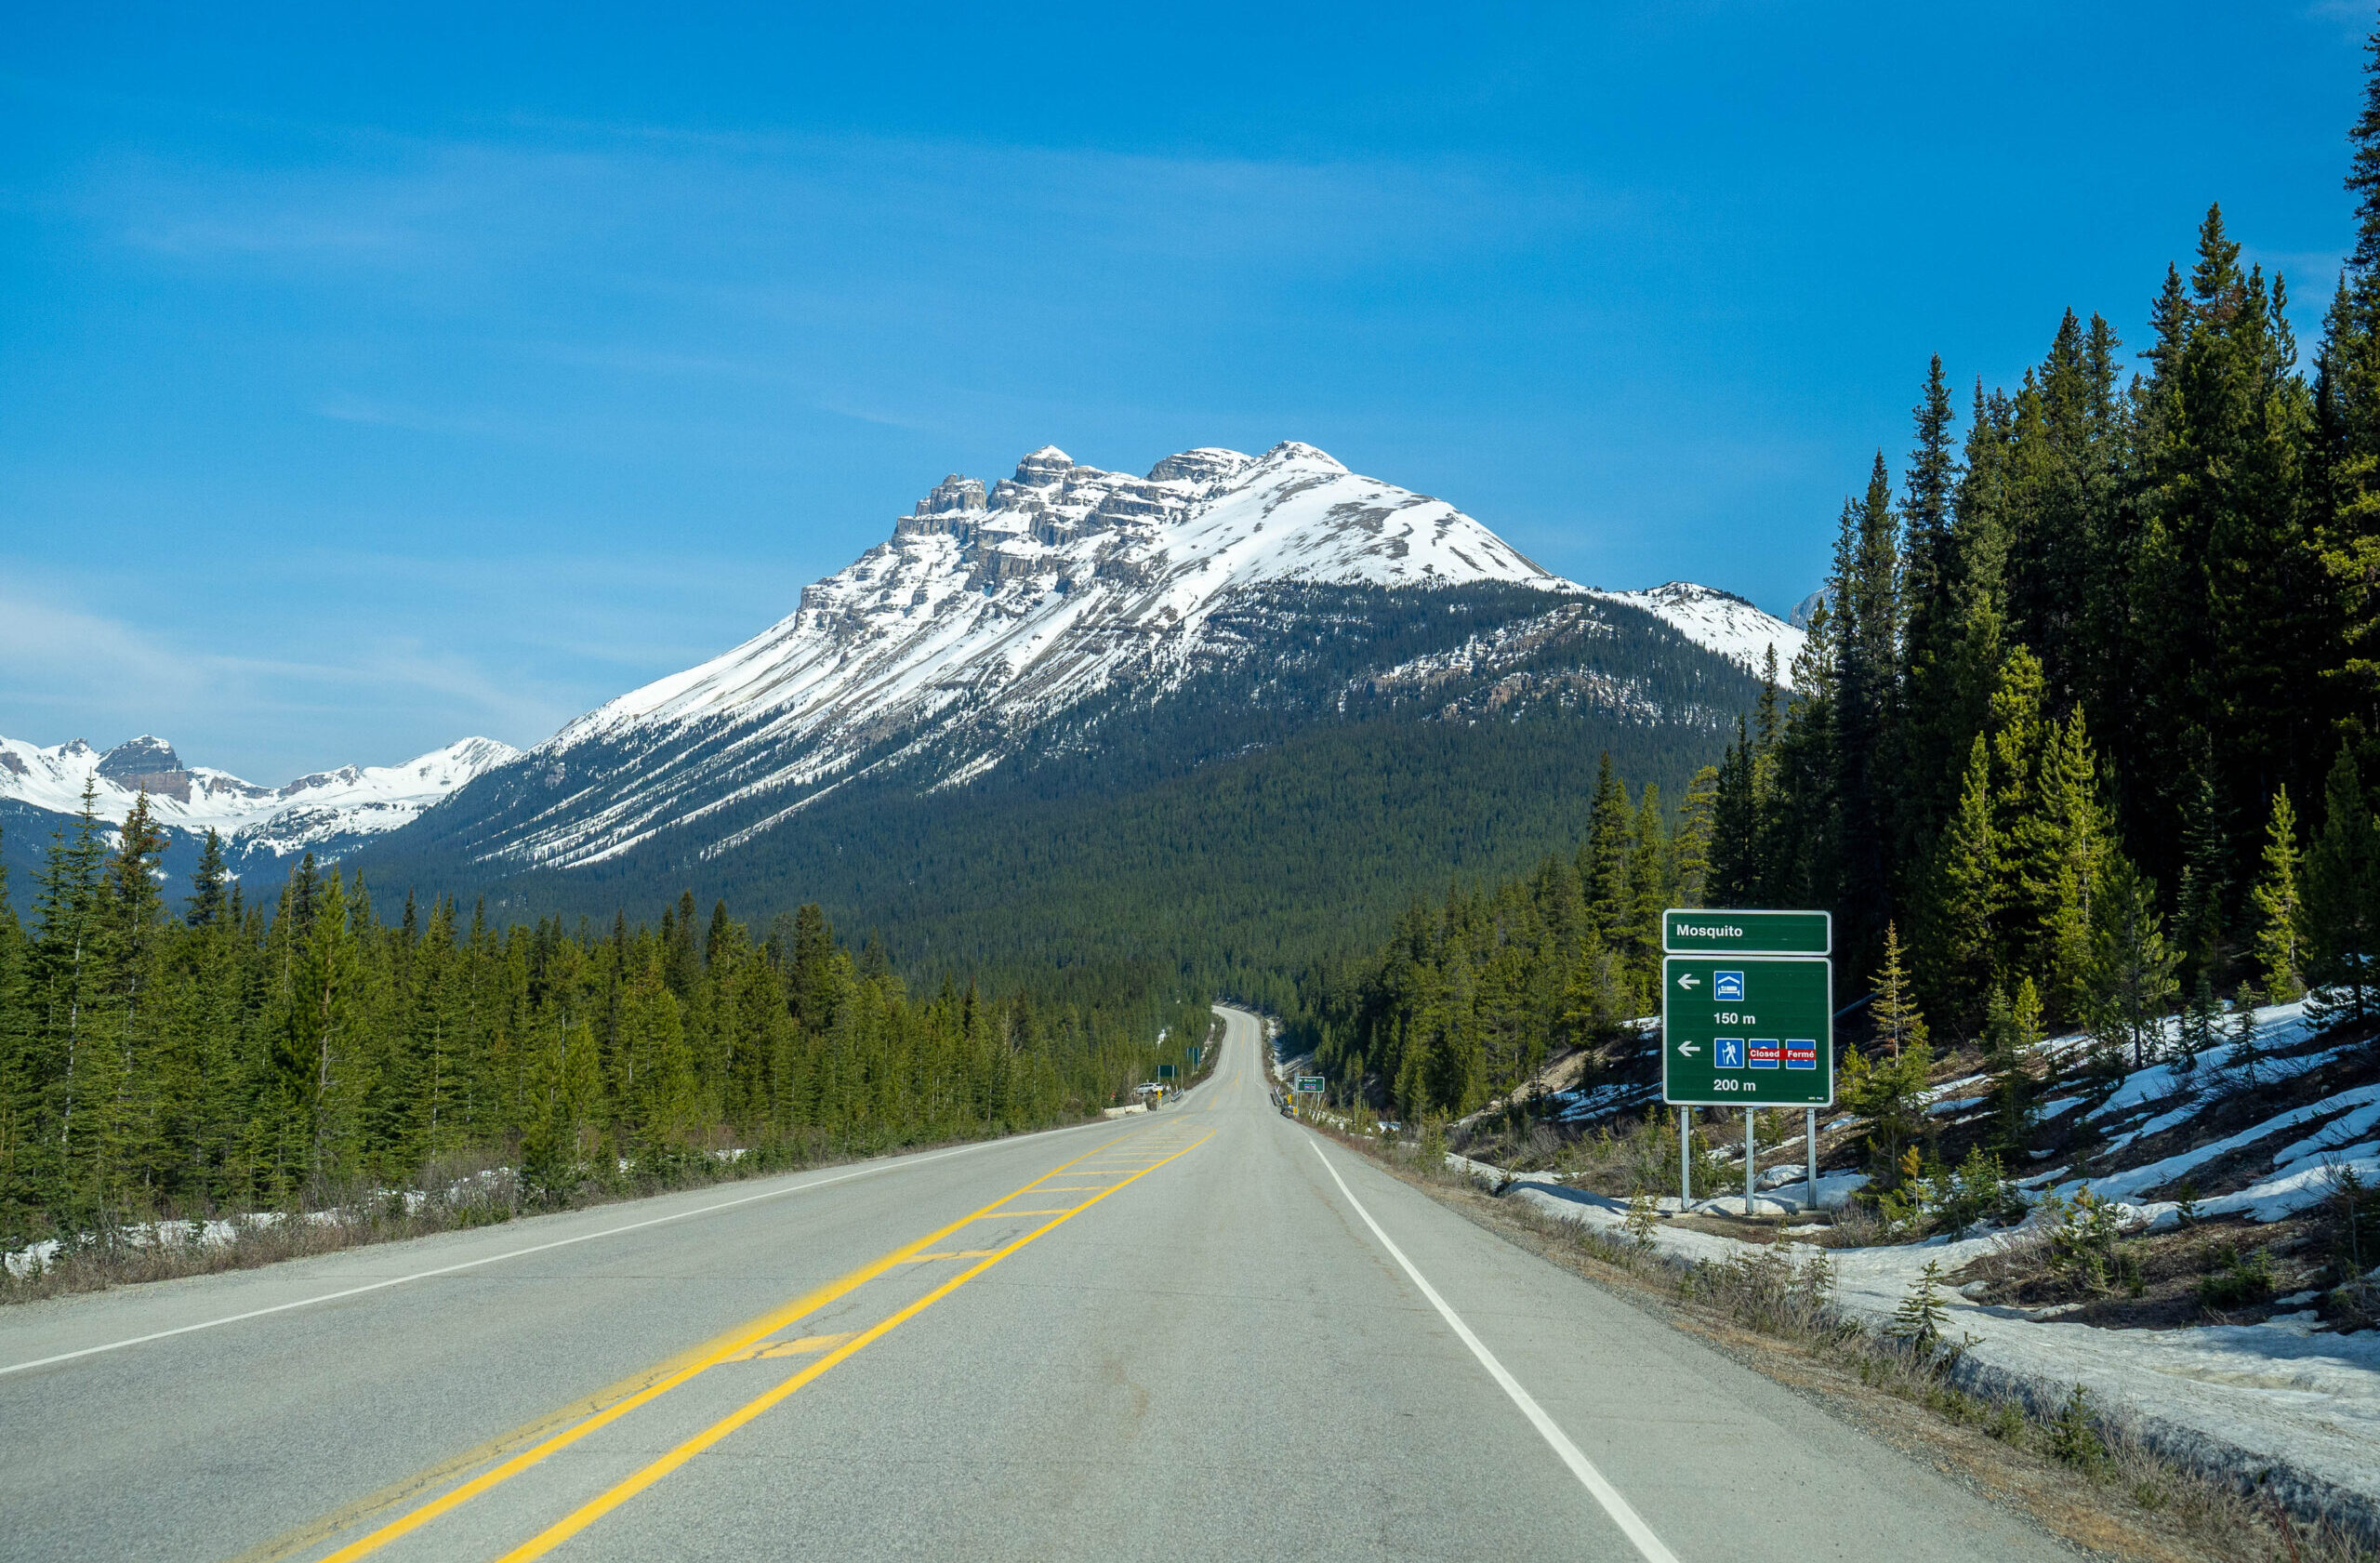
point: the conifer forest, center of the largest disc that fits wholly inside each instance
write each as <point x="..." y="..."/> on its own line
<point x="2086" y="729"/>
<point x="231" y="1054"/>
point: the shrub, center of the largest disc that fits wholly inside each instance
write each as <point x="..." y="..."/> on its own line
<point x="2240" y="1281"/>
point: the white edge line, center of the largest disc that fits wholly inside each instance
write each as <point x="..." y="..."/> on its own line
<point x="518" y="1253"/>
<point x="1630" y="1522"/>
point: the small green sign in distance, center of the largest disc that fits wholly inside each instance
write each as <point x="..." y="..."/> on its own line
<point x="1164" y="1071"/>
<point x="1748" y="1031"/>
<point x="1693" y="930"/>
<point x="1311" y="1084"/>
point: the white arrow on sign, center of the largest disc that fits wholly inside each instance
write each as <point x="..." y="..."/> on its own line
<point x="1689" y="1049"/>
<point x="1687" y="980"/>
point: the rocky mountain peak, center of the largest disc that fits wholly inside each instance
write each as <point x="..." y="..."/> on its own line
<point x="1206" y="464"/>
<point x="953" y="496"/>
<point x="147" y="765"/>
<point x="136" y="756"/>
<point x="1043" y="467"/>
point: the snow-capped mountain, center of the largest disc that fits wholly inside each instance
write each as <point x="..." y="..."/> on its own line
<point x="1030" y="608"/>
<point x="313" y="813"/>
<point x="1724" y="622"/>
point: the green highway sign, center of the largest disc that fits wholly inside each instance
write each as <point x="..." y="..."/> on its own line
<point x="1310" y="1084"/>
<point x="1164" y="1071"/>
<point x="1699" y="930"/>
<point x="1748" y="1031"/>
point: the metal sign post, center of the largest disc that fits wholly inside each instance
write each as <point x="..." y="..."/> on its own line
<point x="1684" y="1158"/>
<point x="1747" y="1020"/>
<point x="1810" y="1156"/>
<point x="1751" y="1158"/>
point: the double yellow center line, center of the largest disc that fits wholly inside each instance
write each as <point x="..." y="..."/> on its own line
<point x="750" y="1342"/>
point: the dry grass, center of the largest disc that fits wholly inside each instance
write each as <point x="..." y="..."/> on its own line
<point x="2075" y="1471"/>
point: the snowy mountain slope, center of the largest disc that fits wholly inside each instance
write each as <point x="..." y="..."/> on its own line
<point x="986" y="614"/>
<point x="1724" y="622"/>
<point x="328" y="806"/>
<point x="1223" y="601"/>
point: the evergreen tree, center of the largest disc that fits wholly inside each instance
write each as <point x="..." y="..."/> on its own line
<point x="2012" y="1035"/>
<point x="2201" y="1027"/>
<point x="1962" y="890"/>
<point x="1894" y="1011"/>
<point x="2132" y="970"/>
<point x="1690" y="847"/>
<point x="1890" y="1094"/>
<point x="2342" y="886"/>
<point x="2075" y="831"/>
<point x="207" y="882"/>
<point x="1867" y="699"/>
<point x="2348" y="454"/>
<point x="1648" y="887"/>
<point x="2280" y="908"/>
<point x="1604" y="866"/>
<point x="2247" y="1059"/>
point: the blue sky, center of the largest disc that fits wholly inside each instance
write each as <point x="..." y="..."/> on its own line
<point x="372" y="376"/>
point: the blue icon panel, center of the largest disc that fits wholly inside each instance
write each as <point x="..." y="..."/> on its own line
<point x="1728" y="985"/>
<point x="1726" y="1053"/>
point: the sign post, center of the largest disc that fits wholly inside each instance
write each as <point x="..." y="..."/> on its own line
<point x="1747" y="1019"/>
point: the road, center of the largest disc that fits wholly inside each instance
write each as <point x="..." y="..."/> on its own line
<point x="1180" y="1336"/>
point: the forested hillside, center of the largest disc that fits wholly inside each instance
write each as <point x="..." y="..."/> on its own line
<point x="238" y="1051"/>
<point x="1335" y="750"/>
<point x="2089" y="719"/>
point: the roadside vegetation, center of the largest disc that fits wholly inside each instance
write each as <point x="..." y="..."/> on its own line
<point x="2083" y="738"/>
<point x="188" y="1086"/>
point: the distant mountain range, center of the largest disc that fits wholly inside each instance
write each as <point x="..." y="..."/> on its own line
<point x="330" y="813"/>
<point x="1069" y="645"/>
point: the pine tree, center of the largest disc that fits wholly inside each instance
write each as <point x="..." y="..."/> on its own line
<point x="2280" y="908"/>
<point x="1895" y="1012"/>
<point x="1962" y="890"/>
<point x="2341" y="885"/>
<point x="1928" y="490"/>
<point x="62" y="973"/>
<point x="2201" y="1027"/>
<point x="2198" y="901"/>
<point x="2076" y="829"/>
<point x="1890" y="1094"/>
<point x="1867" y="699"/>
<point x="2024" y="828"/>
<point x="2132" y="970"/>
<point x="206" y="883"/>
<point x="2348" y="452"/>
<point x="2012" y="1035"/>
<point x="1690" y="848"/>
<point x="1605" y="864"/>
<point x="1648" y="886"/>
<point x="2247" y="1059"/>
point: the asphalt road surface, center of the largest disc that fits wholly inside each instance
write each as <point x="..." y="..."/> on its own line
<point x="1205" y="1332"/>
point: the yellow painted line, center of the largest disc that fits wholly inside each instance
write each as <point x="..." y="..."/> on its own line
<point x="1070" y="1188"/>
<point x="723" y="1348"/>
<point x="596" y="1508"/>
<point x="1063" y="1210"/>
